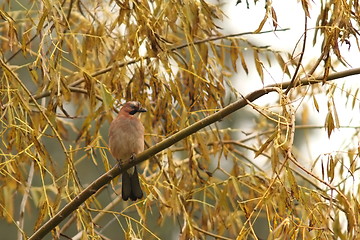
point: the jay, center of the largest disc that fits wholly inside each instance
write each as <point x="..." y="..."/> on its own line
<point x="126" y="139"/>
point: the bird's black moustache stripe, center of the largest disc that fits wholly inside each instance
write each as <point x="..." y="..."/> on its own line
<point x="133" y="112"/>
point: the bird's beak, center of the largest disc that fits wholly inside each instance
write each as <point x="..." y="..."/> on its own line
<point x="141" y="110"/>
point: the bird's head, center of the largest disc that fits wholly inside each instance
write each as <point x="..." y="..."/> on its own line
<point x="132" y="107"/>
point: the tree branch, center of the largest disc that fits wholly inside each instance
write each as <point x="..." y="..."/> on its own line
<point x="314" y="80"/>
<point x="115" y="171"/>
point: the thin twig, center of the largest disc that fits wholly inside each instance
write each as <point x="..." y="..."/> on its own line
<point x="24" y="200"/>
<point x="293" y="80"/>
<point x="210" y="233"/>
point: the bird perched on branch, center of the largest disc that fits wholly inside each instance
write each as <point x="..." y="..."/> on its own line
<point x="126" y="139"/>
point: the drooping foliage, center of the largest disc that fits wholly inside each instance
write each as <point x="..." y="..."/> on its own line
<point x="65" y="67"/>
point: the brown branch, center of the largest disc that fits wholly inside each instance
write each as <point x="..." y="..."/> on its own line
<point x="115" y="171"/>
<point x="84" y="91"/>
<point x="314" y="80"/>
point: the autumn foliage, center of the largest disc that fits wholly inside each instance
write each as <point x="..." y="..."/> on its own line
<point x="67" y="65"/>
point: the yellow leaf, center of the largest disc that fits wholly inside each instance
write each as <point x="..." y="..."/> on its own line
<point x="305" y="4"/>
<point x="274" y="18"/>
<point x="329" y="123"/>
<point x="243" y="62"/>
<point x="65" y="89"/>
<point x="89" y="85"/>
<point x="274" y="158"/>
<point x="108" y="100"/>
<point x="355" y="99"/>
<point x="331" y="169"/>
<point x="258" y="65"/>
<point x="236" y="186"/>
<point x="202" y="141"/>
<point x="293" y="185"/>
<point x="266" y="144"/>
<point x="336" y="116"/>
<point x="315" y="103"/>
<point x="233" y="54"/>
<point x="282" y="64"/>
<point x="352" y="160"/>
<point x="261" y="25"/>
<point x="42" y="20"/>
<point x="327" y="69"/>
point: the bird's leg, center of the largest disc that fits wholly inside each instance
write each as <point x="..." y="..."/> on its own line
<point x="119" y="165"/>
<point x="122" y="163"/>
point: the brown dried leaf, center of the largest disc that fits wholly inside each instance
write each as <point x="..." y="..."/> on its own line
<point x="305" y="115"/>
<point x="259" y="65"/>
<point x="42" y="19"/>
<point x="238" y="190"/>
<point x="352" y="160"/>
<point x="274" y="18"/>
<point x="108" y="100"/>
<point x="354" y="97"/>
<point x="268" y="142"/>
<point x="243" y="62"/>
<point x="204" y="53"/>
<point x="274" y="158"/>
<point x="336" y="116"/>
<point x="316" y="105"/>
<point x="293" y="184"/>
<point x="329" y="123"/>
<point x="43" y="207"/>
<point x="331" y="168"/>
<point x="62" y="130"/>
<point x="305" y="4"/>
<point x="282" y="64"/>
<point x="326" y="69"/>
<point x="201" y="140"/>
<point x="261" y="25"/>
<point x="65" y="91"/>
<point x="234" y="54"/>
<point x="89" y="85"/>
<point x="349" y="216"/>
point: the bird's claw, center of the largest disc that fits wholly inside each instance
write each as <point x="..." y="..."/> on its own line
<point x="133" y="157"/>
<point x="119" y="165"/>
<point x="122" y="163"/>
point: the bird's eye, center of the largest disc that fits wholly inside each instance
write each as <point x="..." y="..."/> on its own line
<point x="134" y="108"/>
<point x="135" y="105"/>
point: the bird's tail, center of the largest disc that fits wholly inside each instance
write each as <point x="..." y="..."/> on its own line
<point x="131" y="186"/>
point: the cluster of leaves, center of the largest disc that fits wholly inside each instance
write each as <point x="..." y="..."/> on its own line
<point x="64" y="63"/>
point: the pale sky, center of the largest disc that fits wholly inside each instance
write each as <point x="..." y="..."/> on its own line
<point x="290" y="15"/>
